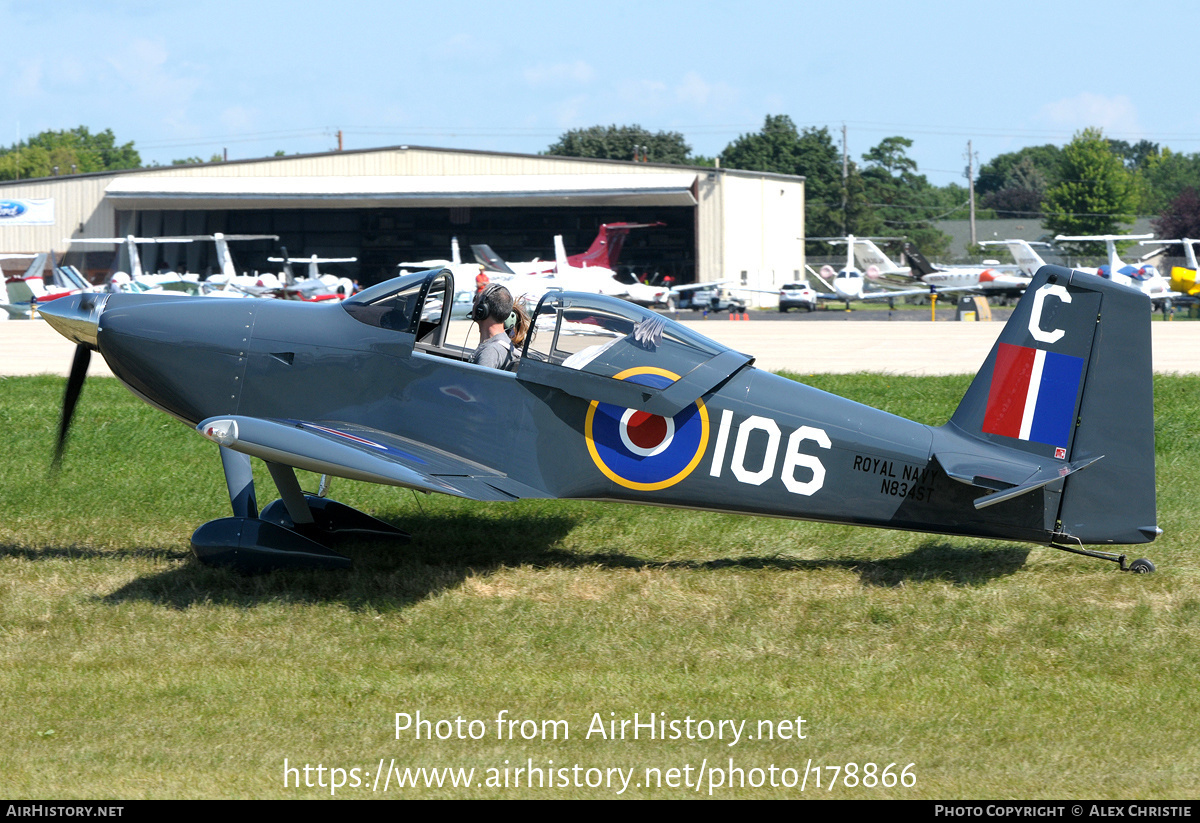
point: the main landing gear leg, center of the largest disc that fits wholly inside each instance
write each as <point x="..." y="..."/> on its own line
<point x="286" y="534"/>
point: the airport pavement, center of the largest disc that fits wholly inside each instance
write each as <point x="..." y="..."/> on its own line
<point x="32" y="347"/>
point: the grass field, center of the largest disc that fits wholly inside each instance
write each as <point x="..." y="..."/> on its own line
<point x="996" y="670"/>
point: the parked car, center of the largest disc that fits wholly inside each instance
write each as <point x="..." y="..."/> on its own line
<point x="797" y="296"/>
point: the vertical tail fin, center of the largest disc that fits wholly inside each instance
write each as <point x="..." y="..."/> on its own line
<point x="1069" y="383"/>
<point x="919" y="264"/>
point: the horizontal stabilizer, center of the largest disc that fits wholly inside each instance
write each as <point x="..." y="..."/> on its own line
<point x="1042" y="478"/>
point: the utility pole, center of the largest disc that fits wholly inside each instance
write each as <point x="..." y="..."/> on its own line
<point x="845" y="176"/>
<point x="971" y="187"/>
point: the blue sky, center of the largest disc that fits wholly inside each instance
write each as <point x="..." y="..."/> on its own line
<point x="253" y="77"/>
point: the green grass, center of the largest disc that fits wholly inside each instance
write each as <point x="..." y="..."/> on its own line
<point x="1000" y="670"/>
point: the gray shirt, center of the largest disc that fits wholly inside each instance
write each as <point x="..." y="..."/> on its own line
<point x="496" y="352"/>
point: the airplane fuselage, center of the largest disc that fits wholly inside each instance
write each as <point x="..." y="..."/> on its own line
<point x="759" y="443"/>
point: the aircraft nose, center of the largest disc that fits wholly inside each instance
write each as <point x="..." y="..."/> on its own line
<point x="76" y="317"/>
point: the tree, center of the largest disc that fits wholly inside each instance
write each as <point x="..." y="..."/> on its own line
<point x="1021" y="195"/>
<point x="619" y="142"/>
<point x="1165" y="177"/>
<point x="72" y="150"/>
<point x="995" y="174"/>
<point x="905" y="202"/>
<point x="1181" y="218"/>
<point x="1097" y="194"/>
<point x="782" y="149"/>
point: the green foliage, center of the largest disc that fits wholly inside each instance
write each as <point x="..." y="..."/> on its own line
<point x="782" y="149"/>
<point x="1097" y="194"/>
<point x="75" y="150"/>
<point x="1181" y="218"/>
<point x="996" y="173"/>
<point x="619" y="142"/>
<point x="1023" y="190"/>
<point x="195" y="161"/>
<point x="902" y="197"/>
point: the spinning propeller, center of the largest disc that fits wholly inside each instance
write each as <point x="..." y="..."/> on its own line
<point x="77" y="318"/>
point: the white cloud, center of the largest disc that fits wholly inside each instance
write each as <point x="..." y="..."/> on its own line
<point x="560" y="74"/>
<point x="150" y="77"/>
<point x="696" y="90"/>
<point x="1115" y="115"/>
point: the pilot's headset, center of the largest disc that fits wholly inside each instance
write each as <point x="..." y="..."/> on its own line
<point x="494" y="301"/>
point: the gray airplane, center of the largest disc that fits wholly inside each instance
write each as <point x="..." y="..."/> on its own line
<point x="1053" y="443"/>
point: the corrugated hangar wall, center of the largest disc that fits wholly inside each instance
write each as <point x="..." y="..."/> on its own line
<point x="388" y="206"/>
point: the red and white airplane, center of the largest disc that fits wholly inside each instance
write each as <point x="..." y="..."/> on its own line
<point x="591" y="271"/>
<point x="23" y="292"/>
<point x="991" y="279"/>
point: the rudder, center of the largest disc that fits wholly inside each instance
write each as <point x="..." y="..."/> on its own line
<point x="1069" y="381"/>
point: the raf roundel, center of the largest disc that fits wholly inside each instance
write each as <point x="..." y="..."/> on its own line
<point x="644" y="451"/>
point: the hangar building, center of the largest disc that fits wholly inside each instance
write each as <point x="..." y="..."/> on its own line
<point x="386" y="206"/>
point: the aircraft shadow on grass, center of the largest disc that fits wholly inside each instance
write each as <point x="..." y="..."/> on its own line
<point x="449" y="549"/>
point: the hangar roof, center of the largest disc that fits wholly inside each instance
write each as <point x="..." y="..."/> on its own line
<point x="664" y="189"/>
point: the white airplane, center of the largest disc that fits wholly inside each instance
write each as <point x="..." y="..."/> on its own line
<point x="1028" y="260"/>
<point x="850" y="285"/>
<point x="315" y="287"/>
<point x="990" y="279"/>
<point x="228" y="283"/>
<point x="137" y="280"/>
<point x="589" y="271"/>
<point x="24" y="292"/>
<point x="1183" y="279"/>
<point x="1145" y="277"/>
<point x="872" y="259"/>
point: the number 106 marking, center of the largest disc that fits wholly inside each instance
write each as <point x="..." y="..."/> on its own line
<point x="793" y="458"/>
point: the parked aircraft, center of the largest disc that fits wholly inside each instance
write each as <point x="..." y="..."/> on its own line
<point x="25" y="292"/>
<point x="1183" y="279"/>
<point x="1145" y="277"/>
<point x="314" y="287"/>
<point x="136" y="280"/>
<point x="988" y="280"/>
<point x="1028" y="260"/>
<point x="1053" y="443"/>
<point x="563" y="274"/>
<point x="604" y="252"/>
<point x="849" y="284"/>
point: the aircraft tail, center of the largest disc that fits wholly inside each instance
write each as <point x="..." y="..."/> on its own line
<point x="869" y="255"/>
<point x="920" y="266"/>
<point x="1065" y="402"/>
<point x="605" y="250"/>
<point x="560" y="254"/>
<point x="489" y="259"/>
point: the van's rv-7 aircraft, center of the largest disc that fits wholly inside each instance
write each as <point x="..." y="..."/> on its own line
<point x="1052" y="444"/>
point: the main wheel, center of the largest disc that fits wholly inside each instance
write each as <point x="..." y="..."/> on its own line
<point x="1141" y="566"/>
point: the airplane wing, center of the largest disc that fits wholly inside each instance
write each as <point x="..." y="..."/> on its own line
<point x="820" y="279"/>
<point x="362" y="453"/>
<point x="693" y="286"/>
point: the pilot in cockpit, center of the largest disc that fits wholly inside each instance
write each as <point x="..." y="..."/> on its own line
<point x="502" y="327"/>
